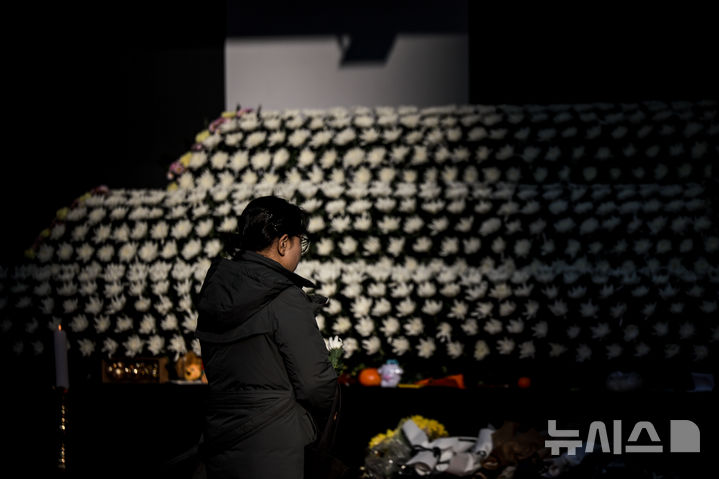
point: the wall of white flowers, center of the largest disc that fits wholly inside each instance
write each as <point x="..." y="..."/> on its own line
<point x="452" y="235"/>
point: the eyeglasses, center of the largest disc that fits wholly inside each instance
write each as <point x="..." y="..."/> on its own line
<point x="304" y="244"/>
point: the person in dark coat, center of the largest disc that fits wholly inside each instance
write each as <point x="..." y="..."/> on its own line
<point x="266" y="362"/>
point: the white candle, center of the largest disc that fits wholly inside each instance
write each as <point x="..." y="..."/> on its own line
<point x="61" y="376"/>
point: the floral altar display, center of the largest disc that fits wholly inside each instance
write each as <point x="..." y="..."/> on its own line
<point x="444" y="237"/>
<point x="422" y="447"/>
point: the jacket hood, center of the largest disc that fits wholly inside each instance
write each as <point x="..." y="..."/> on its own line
<point x="235" y="290"/>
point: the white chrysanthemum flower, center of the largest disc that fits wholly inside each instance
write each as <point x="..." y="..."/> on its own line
<point x="516" y="326"/>
<point x="345" y="136"/>
<point x="400" y="345"/>
<point x="204" y="227"/>
<point x="432" y="307"/>
<point x="493" y="326"/>
<point x="57" y="231"/>
<point x="361" y="307"/>
<point x="102" y="324"/>
<point x="369" y="135"/>
<point x="686" y="330"/>
<point x="182" y="229"/>
<point x="191" y="249"/>
<point x="341" y="325"/>
<point x="109" y="346"/>
<point x="197" y="160"/>
<point x="350" y="345"/>
<point x="413" y="224"/>
<point x="526" y="350"/>
<point x="159" y="230"/>
<point x="169" y="323"/>
<point x="127" y="252"/>
<point x="147" y="325"/>
<point x="321" y="138"/>
<point x="219" y="160"/>
<point x="316" y="223"/>
<point x="363" y="222"/>
<point x="481" y="350"/>
<point x="600" y="330"/>
<point x="490" y="226"/>
<point x="414" y="327"/>
<point x="631" y="333"/>
<point x="123" y="323"/>
<point x="105" y="253"/>
<point x="614" y="351"/>
<point x="450" y="246"/>
<point x="455" y="349"/>
<point x="700" y="352"/>
<point x="340" y="224"/>
<point x="444" y="331"/>
<point x="671" y="350"/>
<point x="325" y="247"/>
<point x="85" y="252"/>
<point x="189" y="323"/>
<point x="255" y="139"/>
<point x="156" y="344"/>
<point x="87" y="347"/>
<point x="148" y="252"/>
<point x="390" y="327"/>
<point x="261" y="160"/>
<point x="365" y="326"/>
<point x="506" y="308"/>
<point x="277" y="137"/>
<point x="381" y="307"/>
<point x="177" y="346"/>
<point x="228" y="224"/>
<point x="396" y="246"/>
<point x="352" y="290"/>
<point x="96" y="215"/>
<point x="426" y="348"/>
<point x="422" y="245"/>
<point x="391" y="135"/>
<point x="328" y="289"/>
<point x="708" y="307"/>
<point x="583" y="353"/>
<point x="239" y="161"/>
<point x="501" y="291"/>
<point x="558" y="308"/>
<point x="169" y="250"/>
<point x="505" y="346"/>
<point x="298" y="137"/>
<point x="45" y="253"/>
<point x="334" y="342"/>
<point x="64" y="252"/>
<point x="79" y="323"/>
<point x="134" y="345"/>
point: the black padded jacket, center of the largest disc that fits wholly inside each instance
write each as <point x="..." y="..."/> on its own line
<point x="267" y="368"/>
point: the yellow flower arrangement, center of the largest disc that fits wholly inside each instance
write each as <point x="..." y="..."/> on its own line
<point x="62" y="213"/>
<point x="185" y="159"/>
<point x="202" y="136"/>
<point x="433" y="428"/>
<point x="381" y="437"/>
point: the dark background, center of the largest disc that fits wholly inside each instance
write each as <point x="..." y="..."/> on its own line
<point x="111" y="95"/>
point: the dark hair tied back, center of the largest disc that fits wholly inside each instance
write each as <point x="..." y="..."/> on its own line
<point x="263" y="220"/>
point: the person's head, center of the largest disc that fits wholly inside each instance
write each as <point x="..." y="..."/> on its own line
<point x="275" y="228"/>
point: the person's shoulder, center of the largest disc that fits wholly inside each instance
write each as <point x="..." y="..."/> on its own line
<point x="293" y="296"/>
